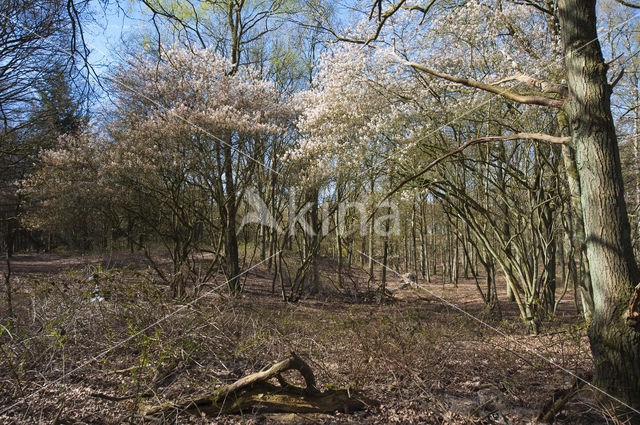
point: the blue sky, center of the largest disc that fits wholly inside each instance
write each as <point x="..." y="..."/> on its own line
<point x="105" y="35"/>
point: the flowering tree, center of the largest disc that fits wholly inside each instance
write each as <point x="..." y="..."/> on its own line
<point x="178" y="149"/>
<point x="370" y="117"/>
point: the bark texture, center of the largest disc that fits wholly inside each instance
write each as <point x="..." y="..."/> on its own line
<point x="614" y="272"/>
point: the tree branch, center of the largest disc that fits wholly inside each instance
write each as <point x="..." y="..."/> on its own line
<point x="536" y="6"/>
<point x="628" y="4"/>
<point x="382" y="19"/>
<point x="616" y="80"/>
<point x="543" y="86"/>
<point x="516" y="97"/>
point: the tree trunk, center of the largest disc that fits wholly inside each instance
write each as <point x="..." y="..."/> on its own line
<point x="577" y="223"/>
<point x="504" y="208"/>
<point x="371" y="249"/>
<point x="232" y="268"/>
<point x="615" y="346"/>
<point x="414" y="244"/>
<point x="313" y="241"/>
<point x="7" y="283"/>
<point x="636" y="155"/>
<point x="339" y="231"/>
<point x="371" y="233"/>
<point x="9" y="242"/>
<point x="339" y="249"/>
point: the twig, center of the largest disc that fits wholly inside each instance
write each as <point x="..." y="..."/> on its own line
<point x="120" y="398"/>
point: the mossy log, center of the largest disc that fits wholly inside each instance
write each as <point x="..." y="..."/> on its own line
<point x="255" y="393"/>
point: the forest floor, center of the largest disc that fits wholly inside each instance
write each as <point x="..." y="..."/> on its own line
<point x="429" y="355"/>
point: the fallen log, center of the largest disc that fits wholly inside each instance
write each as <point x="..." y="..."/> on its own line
<point x="255" y="393"/>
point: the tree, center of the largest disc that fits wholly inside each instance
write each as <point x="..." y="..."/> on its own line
<point x="59" y="108"/>
<point x="614" y="271"/>
<point x="58" y="111"/>
<point x="65" y="196"/>
<point x="175" y="155"/>
<point x="31" y="33"/>
<point x="246" y="33"/>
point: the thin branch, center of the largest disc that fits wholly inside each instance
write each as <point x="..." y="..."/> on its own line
<point x="378" y="4"/>
<point x="616" y="80"/>
<point x="382" y="19"/>
<point x="536" y="6"/>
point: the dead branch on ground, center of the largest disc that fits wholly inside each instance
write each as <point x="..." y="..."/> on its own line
<point x="254" y="392"/>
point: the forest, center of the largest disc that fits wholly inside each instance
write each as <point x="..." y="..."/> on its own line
<point x="314" y="211"/>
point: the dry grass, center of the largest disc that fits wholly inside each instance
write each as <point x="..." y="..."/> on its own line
<point x="423" y="360"/>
